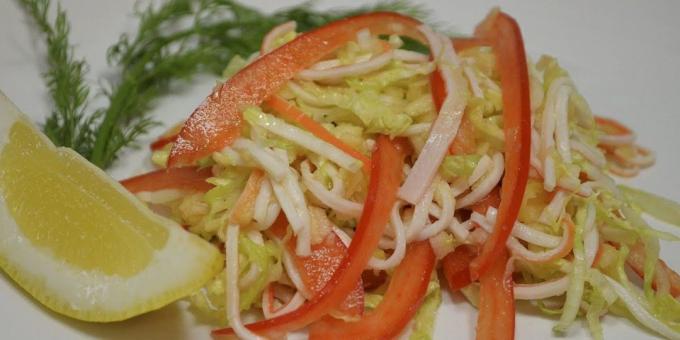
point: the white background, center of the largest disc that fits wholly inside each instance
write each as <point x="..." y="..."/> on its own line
<point x="623" y="55"/>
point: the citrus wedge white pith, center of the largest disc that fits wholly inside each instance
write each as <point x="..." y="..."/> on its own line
<point x="78" y="242"/>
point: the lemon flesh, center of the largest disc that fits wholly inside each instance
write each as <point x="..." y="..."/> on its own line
<point x="78" y="242"/>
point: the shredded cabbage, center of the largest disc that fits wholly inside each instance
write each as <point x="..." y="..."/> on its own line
<point x="228" y="186"/>
<point x="423" y="322"/>
<point x="657" y="206"/>
<point x="210" y="300"/>
<point x="455" y="166"/>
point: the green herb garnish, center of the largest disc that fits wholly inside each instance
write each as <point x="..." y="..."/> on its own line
<point x="174" y="41"/>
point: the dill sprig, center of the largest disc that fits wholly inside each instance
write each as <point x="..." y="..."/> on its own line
<point x="174" y="41"/>
<point x="68" y="124"/>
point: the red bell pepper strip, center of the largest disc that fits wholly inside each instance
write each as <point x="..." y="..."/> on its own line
<point x="636" y="261"/>
<point x="505" y="34"/>
<point x="386" y="176"/>
<point x="496" y="318"/>
<point x="167" y="137"/>
<point x="217" y="121"/>
<point x="316" y="269"/>
<point x="291" y="113"/>
<point x="456" y="266"/>
<point x="189" y="178"/>
<point x="402" y="299"/>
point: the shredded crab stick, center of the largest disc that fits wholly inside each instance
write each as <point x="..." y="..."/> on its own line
<point x="401" y="301"/>
<point x="244" y="208"/>
<point x="217" y="121"/>
<point x="446" y="124"/>
<point x="291" y="113"/>
<point x="386" y="175"/>
<point x="189" y="178"/>
<point x="316" y="269"/>
<point x="615" y="132"/>
<point x="508" y="46"/>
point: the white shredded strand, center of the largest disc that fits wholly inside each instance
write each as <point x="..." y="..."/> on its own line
<point x="554" y="209"/>
<point x="351" y="70"/>
<point x="459" y="230"/>
<point x="473" y="82"/>
<point x="250" y="276"/>
<point x="537" y="291"/>
<point x="232" y="289"/>
<point x="364" y="39"/>
<point x="591" y="154"/>
<point x="399" y="249"/>
<point x="485" y="185"/>
<point x="410" y="56"/>
<point x="338" y="184"/>
<point x="312" y="143"/>
<point x="447" y="203"/>
<point x="328" y="198"/>
<point x="549" y="175"/>
<point x="343" y="236"/>
<point x="263" y="156"/>
<point x="262" y="200"/>
<point x="303" y="246"/>
<point x="640" y="313"/>
<point x="617" y="140"/>
<point x="445" y="126"/>
<point x="416" y="129"/>
<point x="459" y="186"/>
<point x="562" y="123"/>
<point x="433" y="41"/>
<point x="294" y="274"/>
<point x="302" y="94"/>
<point x="275" y="33"/>
<point x="527" y="233"/>
<point x="295" y="302"/>
<point x="420" y="214"/>
<point x="483" y="166"/>
<point x="292" y="200"/>
<point x="548" y="118"/>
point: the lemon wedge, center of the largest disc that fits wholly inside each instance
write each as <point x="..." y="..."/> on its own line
<point x="78" y="242"/>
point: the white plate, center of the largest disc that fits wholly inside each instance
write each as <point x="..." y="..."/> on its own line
<point x="623" y="56"/>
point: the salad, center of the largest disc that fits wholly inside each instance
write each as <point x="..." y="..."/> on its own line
<point x="353" y="172"/>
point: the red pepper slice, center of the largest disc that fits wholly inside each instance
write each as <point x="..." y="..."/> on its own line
<point x="496" y="319"/>
<point x="316" y="269"/>
<point x="386" y="176"/>
<point x="167" y="137"/>
<point x="402" y="299"/>
<point x="456" y="266"/>
<point x="217" y="121"/>
<point x="508" y="46"/>
<point x="189" y="178"/>
<point x="636" y="261"/>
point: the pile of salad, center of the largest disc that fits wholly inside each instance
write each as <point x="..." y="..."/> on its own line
<point x="349" y="179"/>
